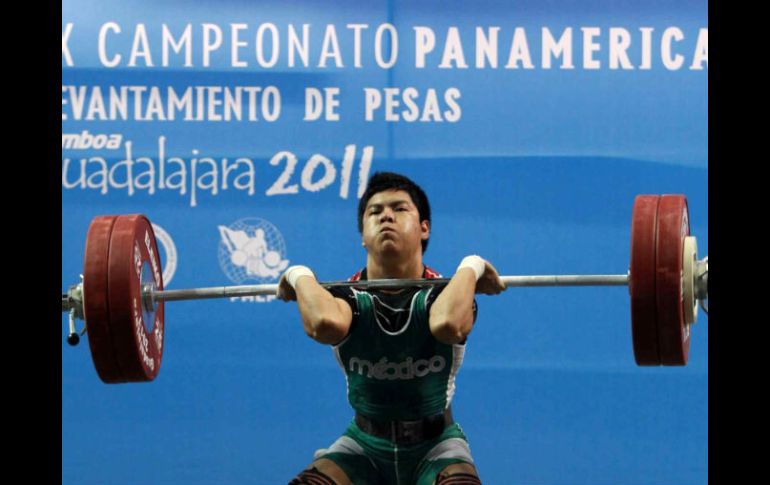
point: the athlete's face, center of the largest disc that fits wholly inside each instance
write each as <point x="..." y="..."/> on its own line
<point x="392" y="224"/>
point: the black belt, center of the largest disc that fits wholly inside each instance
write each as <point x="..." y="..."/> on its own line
<point x="406" y="432"/>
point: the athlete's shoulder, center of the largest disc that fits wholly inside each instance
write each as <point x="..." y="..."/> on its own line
<point x="347" y="293"/>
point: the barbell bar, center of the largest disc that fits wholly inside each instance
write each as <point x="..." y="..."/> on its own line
<point x="72" y="301"/>
<point x="121" y="295"/>
<point x="150" y="295"/>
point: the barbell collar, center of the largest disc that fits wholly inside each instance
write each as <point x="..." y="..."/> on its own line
<point x="702" y="279"/>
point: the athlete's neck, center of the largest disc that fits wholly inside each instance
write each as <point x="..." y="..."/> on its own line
<point x="394" y="269"/>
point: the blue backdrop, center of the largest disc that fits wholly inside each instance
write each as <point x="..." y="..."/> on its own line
<point x="198" y="115"/>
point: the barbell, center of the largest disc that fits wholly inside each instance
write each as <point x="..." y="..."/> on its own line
<point x="121" y="296"/>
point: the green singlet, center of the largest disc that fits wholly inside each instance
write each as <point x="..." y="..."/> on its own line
<point x="395" y="369"/>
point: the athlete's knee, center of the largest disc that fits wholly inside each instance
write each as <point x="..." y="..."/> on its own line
<point x="458" y="474"/>
<point x="312" y="476"/>
<point x="322" y="471"/>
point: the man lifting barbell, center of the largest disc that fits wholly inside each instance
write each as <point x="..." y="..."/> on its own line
<point x="400" y="390"/>
<point x="400" y="349"/>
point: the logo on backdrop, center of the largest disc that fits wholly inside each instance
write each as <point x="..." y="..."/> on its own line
<point x="252" y="250"/>
<point x="169" y="250"/>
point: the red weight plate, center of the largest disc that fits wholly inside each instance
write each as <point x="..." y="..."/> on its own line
<point x="137" y="334"/>
<point x="673" y="331"/>
<point x="641" y="285"/>
<point x="95" y="304"/>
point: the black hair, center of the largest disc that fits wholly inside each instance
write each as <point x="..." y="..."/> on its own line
<point x="382" y="181"/>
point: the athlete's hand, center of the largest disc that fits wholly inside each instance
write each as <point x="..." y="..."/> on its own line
<point x="490" y="282"/>
<point x="285" y="291"/>
<point x="288" y="279"/>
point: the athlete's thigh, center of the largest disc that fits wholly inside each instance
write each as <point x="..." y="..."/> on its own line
<point x="449" y="456"/>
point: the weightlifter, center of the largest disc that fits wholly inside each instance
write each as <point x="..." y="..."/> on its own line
<point x="400" y="350"/>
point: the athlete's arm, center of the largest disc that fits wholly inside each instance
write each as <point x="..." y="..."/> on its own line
<point x="325" y="318"/>
<point x="451" y="315"/>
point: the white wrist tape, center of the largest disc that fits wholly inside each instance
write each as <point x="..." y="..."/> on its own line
<point x="476" y="263"/>
<point x="294" y="272"/>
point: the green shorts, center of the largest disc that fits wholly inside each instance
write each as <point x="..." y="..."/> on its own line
<point x="369" y="460"/>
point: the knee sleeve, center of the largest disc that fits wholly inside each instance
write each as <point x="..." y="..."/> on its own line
<point x="312" y="477"/>
<point x="458" y="479"/>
